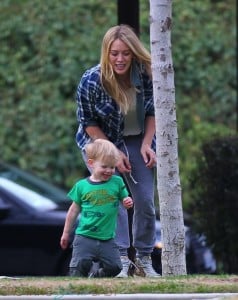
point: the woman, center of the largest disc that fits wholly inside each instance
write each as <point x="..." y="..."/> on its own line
<point x="115" y="102"/>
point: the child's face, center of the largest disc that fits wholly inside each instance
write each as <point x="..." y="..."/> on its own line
<point x="101" y="171"/>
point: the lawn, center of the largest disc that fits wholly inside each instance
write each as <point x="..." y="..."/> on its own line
<point x="131" y="285"/>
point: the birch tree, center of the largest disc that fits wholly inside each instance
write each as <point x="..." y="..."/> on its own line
<point x="168" y="181"/>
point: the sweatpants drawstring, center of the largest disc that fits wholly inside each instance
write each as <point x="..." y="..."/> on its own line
<point x="130" y="173"/>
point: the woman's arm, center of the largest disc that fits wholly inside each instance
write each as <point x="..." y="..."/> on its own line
<point x="146" y="151"/>
<point x="149" y="130"/>
<point x="95" y="132"/>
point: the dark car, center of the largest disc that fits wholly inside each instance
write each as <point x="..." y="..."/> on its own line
<point x="199" y="257"/>
<point x="32" y="216"/>
<point x="35" y="184"/>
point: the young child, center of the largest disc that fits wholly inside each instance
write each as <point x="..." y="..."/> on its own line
<point x="97" y="198"/>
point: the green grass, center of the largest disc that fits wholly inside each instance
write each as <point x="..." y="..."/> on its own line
<point x="68" y="285"/>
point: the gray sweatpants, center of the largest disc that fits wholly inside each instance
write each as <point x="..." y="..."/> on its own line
<point x="87" y="250"/>
<point x="141" y="186"/>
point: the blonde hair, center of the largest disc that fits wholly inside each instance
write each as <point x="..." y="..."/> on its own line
<point x="102" y="150"/>
<point x="111" y="84"/>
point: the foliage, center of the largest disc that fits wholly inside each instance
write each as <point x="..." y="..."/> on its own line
<point x="45" y="48"/>
<point x="190" y="143"/>
<point x="215" y="199"/>
<point x="204" y="55"/>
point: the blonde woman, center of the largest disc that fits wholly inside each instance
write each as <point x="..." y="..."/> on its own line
<point x="115" y="102"/>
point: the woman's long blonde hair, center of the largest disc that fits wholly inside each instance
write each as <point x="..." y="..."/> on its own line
<point x="115" y="88"/>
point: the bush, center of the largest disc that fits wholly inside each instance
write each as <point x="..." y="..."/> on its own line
<point x="45" y="48"/>
<point x="215" y="200"/>
<point x="47" y="45"/>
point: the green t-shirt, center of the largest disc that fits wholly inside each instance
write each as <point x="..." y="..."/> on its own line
<point x="99" y="203"/>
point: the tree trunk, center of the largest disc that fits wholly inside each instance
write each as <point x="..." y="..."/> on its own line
<point x="168" y="183"/>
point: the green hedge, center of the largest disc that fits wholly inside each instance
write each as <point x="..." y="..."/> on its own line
<point x="215" y="200"/>
<point x="47" y="45"/>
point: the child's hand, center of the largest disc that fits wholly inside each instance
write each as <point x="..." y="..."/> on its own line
<point x="64" y="241"/>
<point x="127" y="202"/>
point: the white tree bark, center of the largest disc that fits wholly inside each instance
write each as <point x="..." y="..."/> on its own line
<point x="168" y="183"/>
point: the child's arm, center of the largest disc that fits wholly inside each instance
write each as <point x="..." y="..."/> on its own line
<point x="69" y="222"/>
<point x="127" y="202"/>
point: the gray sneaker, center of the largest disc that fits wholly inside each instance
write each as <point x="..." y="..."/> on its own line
<point x="144" y="267"/>
<point x="125" y="267"/>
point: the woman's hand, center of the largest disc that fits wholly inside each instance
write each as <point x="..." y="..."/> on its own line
<point x="148" y="155"/>
<point x="123" y="164"/>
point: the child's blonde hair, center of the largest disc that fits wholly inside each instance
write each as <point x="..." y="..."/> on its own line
<point x="102" y="150"/>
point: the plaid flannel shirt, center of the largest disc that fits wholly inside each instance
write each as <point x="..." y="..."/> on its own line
<point x="96" y="108"/>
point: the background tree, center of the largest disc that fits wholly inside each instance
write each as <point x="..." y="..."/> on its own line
<point x="168" y="181"/>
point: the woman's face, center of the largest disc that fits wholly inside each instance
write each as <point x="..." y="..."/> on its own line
<point x="120" y="57"/>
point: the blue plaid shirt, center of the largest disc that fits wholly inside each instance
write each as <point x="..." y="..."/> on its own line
<point x="97" y="108"/>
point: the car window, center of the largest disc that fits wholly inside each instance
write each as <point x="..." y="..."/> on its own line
<point x="28" y="196"/>
<point x="33" y="183"/>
